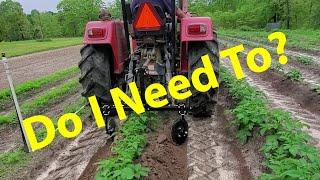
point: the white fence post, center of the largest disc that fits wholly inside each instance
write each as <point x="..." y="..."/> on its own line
<point x="15" y="100"/>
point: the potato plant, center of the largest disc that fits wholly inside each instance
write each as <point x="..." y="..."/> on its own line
<point x="288" y="150"/>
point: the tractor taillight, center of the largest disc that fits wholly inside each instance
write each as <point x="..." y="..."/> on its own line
<point x="96" y="33"/>
<point x="147" y="18"/>
<point x="197" y="29"/>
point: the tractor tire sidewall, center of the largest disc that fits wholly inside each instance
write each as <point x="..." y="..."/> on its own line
<point x="203" y="104"/>
<point x="95" y="67"/>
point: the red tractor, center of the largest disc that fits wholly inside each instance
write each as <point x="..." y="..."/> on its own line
<point x="154" y="42"/>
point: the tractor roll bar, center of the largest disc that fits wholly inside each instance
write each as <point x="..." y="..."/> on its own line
<point x="173" y="33"/>
<point x="125" y="22"/>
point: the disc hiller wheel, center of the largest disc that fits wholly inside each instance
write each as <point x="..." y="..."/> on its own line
<point x="179" y="131"/>
<point x="111" y="126"/>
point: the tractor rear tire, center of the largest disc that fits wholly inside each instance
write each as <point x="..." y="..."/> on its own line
<point x="96" y="74"/>
<point x="203" y="104"/>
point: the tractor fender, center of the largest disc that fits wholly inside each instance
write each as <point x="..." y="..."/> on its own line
<point x="206" y="22"/>
<point x="187" y="39"/>
<point x="113" y="36"/>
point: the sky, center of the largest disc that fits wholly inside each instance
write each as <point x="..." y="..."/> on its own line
<point x="41" y="5"/>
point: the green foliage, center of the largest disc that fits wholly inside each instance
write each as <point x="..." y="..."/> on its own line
<point x="12" y="157"/>
<point x="18" y="48"/>
<point x="306" y="39"/>
<point x="294" y="75"/>
<point x="305" y="60"/>
<point x="130" y="146"/>
<point x="115" y="9"/>
<point x="42" y="101"/>
<point x="74" y="14"/>
<point x="12" y="160"/>
<point x="69" y="21"/>
<point x="44" y="40"/>
<point x="14" y="23"/>
<point x="278" y="68"/>
<point x="288" y="151"/>
<point x="256" y="14"/>
<point x="37" y="83"/>
<point x="317" y="89"/>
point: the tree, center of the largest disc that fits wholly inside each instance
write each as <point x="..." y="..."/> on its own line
<point x="51" y="25"/>
<point x="115" y="9"/>
<point x="16" y="25"/>
<point x="74" y="14"/>
<point x="37" y="24"/>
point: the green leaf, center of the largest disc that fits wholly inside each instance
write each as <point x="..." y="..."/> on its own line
<point x="127" y="173"/>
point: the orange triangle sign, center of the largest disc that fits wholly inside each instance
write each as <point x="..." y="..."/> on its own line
<point x="148" y="18"/>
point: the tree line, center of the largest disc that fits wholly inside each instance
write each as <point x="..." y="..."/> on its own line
<point x="68" y="21"/>
<point x="291" y="14"/>
<point x="72" y="15"/>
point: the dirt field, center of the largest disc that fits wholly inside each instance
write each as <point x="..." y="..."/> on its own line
<point x="36" y="65"/>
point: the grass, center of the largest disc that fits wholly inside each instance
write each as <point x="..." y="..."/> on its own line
<point x="288" y="151"/>
<point x="129" y="146"/>
<point x="12" y="161"/>
<point x="38" y="83"/>
<point x="301" y="39"/>
<point x="40" y="102"/>
<point x="18" y="48"/>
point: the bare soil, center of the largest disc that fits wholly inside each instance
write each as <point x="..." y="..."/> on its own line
<point x="36" y="65"/>
<point x="103" y="153"/>
<point x="165" y="159"/>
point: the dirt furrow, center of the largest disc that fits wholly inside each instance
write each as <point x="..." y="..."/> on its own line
<point x="209" y="153"/>
<point x="308" y="77"/>
<point x="285" y="102"/>
<point x="36" y="65"/>
<point x="74" y="158"/>
<point x="214" y="152"/>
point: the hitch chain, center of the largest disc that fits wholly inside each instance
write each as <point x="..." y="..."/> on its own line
<point x="182" y="109"/>
<point x="106" y="110"/>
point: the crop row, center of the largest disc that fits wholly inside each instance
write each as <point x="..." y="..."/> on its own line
<point x="303" y="60"/>
<point x="129" y="146"/>
<point x="287" y="148"/>
<point x="38" y="83"/>
<point x="301" y="39"/>
<point x="40" y="102"/>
